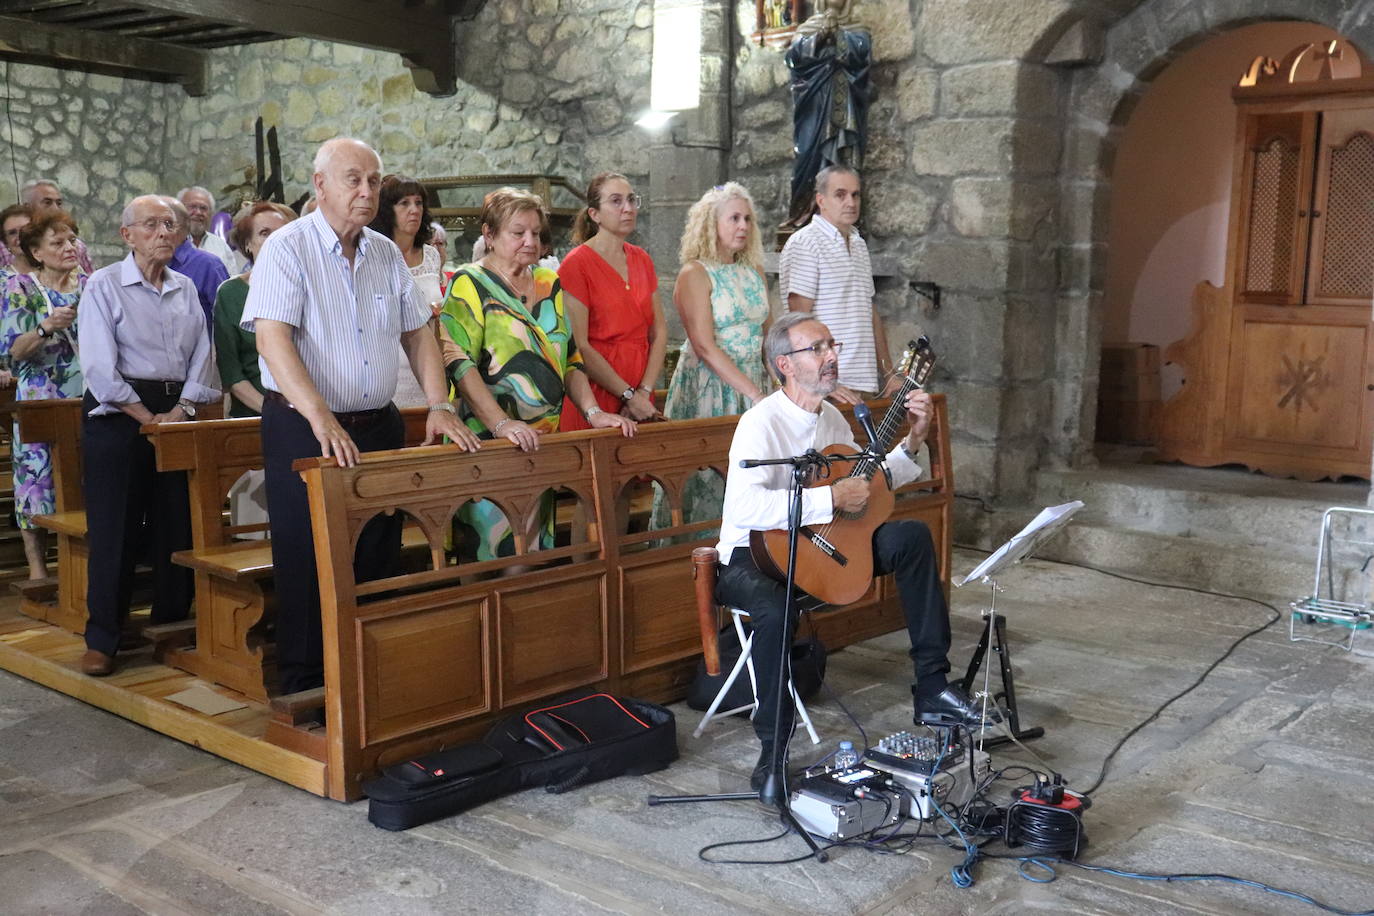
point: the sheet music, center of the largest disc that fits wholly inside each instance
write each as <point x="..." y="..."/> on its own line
<point x="1041" y="528"/>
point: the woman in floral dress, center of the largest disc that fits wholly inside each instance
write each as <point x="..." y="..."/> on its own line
<point x="722" y="299"/>
<point x="38" y="330"/>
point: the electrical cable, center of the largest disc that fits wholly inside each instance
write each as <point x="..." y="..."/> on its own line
<point x="1116" y="748"/>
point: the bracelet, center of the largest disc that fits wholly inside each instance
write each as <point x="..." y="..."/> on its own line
<point x="592" y="411"/>
<point x="496" y="430"/>
<point x="446" y="407"/>
<point x="646" y="389"/>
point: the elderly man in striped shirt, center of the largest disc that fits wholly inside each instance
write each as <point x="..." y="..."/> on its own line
<point x="824" y="269"/>
<point x="330" y="298"/>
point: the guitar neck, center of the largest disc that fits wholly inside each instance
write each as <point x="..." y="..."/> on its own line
<point x="887" y="429"/>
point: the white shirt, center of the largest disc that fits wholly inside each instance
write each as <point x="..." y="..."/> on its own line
<point x="757" y="498"/>
<point x="218" y="247"/>
<point x="817" y="264"/>
<point x="348" y="318"/>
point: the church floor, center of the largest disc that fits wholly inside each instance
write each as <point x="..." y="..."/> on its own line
<point x="1261" y="772"/>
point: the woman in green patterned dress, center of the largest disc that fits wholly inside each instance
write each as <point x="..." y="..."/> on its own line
<point x="509" y="352"/>
<point x="722" y="299"/>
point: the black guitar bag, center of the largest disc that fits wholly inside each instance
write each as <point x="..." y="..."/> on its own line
<point x="560" y="746"/>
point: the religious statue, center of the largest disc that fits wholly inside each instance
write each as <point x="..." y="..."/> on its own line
<point x="831" y="88"/>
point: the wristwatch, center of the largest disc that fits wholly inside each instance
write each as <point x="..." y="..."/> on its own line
<point x="187" y="408"/>
<point x="627" y="394"/>
<point x="446" y="407"/>
<point x="44" y="332"/>
<point x="592" y="411"/>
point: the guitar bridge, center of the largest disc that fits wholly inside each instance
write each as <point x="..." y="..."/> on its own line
<point x="824" y="546"/>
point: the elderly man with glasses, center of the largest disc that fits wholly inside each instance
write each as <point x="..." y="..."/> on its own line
<point x="147" y="359"/>
<point x="805" y="358"/>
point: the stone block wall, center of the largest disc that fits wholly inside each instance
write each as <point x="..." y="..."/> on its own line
<point x="101" y="137"/>
<point x="959" y="188"/>
<point x="546" y="86"/>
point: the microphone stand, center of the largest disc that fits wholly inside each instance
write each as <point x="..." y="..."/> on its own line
<point x="774" y="791"/>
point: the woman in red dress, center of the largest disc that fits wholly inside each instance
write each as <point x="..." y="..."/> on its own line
<point x="610" y="290"/>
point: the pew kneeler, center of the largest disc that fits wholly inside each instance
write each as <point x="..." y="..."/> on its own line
<point x="705" y="563"/>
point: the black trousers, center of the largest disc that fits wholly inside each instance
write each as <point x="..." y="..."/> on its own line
<point x="286" y="436"/>
<point x="904" y="548"/>
<point x="123" y="490"/>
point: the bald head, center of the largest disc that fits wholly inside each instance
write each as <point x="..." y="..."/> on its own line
<point x="348" y="176"/>
<point x="148" y="226"/>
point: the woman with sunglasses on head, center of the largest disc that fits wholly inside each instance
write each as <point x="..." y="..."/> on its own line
<point x="610" y="288"/>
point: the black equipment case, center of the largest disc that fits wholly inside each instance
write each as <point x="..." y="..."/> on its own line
<point x="571" y="742"/>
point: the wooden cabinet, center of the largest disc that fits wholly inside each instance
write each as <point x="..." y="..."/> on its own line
<point x="1279" y="367"/>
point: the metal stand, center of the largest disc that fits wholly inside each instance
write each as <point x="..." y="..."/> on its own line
<point x="995" y="637"/>
<point x="1324" y="604"/>
<point x="774" y="791"/>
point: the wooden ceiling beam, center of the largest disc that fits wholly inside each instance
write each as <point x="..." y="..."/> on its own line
<point x="29" y="41"/>
<point x="422" y="33"/>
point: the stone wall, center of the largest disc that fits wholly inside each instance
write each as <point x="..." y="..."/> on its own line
<point x="959" y="127"/>
<point x="102" y="138"/>
<point x="546" y="86"/>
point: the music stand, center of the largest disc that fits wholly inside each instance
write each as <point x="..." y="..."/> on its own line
<point x="1044" y="526"/>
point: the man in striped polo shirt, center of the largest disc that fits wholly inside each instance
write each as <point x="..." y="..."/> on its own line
<point x="329" y="299"/>
<point x="824" y="269"/>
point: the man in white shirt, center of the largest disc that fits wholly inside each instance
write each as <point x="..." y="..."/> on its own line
<point x="805" y="357"/>
<point x="824" y="269"/>
<point x="200" y="207"/>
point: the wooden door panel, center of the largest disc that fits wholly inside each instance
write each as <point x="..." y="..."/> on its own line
<point x="661" y="630"/>
<point x="552" y="637"/>
<point x="1297" y="383"/>
<point x="1275" y="190"/>
<point x="423" y="668"/>
<point x="1341" y="270"/>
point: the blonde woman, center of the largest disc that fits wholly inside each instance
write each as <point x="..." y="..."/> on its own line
<point x="722" y="299"/>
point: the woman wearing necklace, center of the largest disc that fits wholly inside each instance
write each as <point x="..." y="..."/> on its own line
<point x="509" y="352"/>
<point x="38" y="330"/>
<point x="611" y="291"/>
<point x="403" y="216"/>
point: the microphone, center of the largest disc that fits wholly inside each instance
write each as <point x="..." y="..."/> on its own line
<point x="865" y="418"/>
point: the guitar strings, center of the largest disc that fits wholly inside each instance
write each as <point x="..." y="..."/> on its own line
<point x="886" y="427"/>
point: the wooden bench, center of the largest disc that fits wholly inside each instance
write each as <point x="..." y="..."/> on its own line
<point x="433" y="657"/>
<point x="225" y="642"/>
<point x="57" y="424"/>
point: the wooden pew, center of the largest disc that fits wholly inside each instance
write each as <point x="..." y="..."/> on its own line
<point x="431" y="658"/>
<point x="57" y="423"/>
<point x="225" y="643"/>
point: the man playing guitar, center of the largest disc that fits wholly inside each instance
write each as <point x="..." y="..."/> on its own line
<point x="802" y="353"/>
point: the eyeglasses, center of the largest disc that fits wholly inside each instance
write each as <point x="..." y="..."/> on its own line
<point x="820" y="348"/>
<point x="153" y="224"/>
<point x="616" y="202"/>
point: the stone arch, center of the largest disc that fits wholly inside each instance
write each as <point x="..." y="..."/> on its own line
<point x="1097" y="102"/>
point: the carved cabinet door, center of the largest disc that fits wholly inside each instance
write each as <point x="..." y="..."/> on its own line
<point x="1298" y="393"/>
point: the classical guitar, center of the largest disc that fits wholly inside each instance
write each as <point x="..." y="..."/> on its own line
<point x="835" y="560"/>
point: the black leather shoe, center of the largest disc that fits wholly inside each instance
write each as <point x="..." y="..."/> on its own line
<point x="760" y="774"/>
<point x="952" y="706"/>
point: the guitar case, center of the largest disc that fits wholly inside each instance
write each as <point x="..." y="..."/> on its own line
<point x="574" y="741"/>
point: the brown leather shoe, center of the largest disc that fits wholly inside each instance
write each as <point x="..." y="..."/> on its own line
<point x="96" y="663"/>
